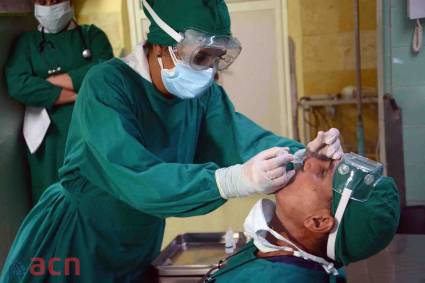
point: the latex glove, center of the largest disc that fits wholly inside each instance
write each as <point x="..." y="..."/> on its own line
<point x="327" y="144"/>
<point x="263" y="173"/>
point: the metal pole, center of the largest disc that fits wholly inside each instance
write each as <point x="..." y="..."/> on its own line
<point x="360" y="128"/>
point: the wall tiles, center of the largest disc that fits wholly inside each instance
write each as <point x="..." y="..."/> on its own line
<point x="335" y="52"/>
<point x="397" y="4"/>
<point x="320" y="17"/>
<point x="412" y="102"/>
<point x="323" y="52"/>
<point x="414" y="145"/>
<point x="402" y="27"/>
<point x="415" y="183"/>
<point x="323" y="82"/>
<point x="408" y="69"/>
<point x="368" y="50"/>
<point x="367" y="15"/>
<point x="404" y="77"/>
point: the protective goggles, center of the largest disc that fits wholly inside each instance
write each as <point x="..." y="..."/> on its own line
<point x="357" y="173"/>
<point x="199" y="49"/>
<point x="202" y="51"/>
<point x="354" y="178"/>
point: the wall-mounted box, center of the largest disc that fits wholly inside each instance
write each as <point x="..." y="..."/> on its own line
<point x="416" y="9"/>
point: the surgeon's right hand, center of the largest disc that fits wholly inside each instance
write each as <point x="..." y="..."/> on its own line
<point x="263" y="173"/>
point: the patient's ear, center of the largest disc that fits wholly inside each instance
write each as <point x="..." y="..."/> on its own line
<point x="320" y="223"/>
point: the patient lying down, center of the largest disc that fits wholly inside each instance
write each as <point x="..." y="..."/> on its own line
<point x="290" y="236"/>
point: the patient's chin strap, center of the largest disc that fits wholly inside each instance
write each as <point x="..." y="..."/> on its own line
<point x="327" y="266"/>
<point x="345" y="197"/>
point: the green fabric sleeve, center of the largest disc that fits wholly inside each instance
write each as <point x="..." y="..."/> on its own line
<point x="22" y="84"/>
<point x="101" y="50"/>
<point x="228" y="137"/>
<point x="115" y="159"/>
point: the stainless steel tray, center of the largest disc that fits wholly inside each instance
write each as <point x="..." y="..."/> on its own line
<point x="193" y="254"/>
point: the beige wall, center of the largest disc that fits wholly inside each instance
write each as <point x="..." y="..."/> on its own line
<point x="111" y="17"/>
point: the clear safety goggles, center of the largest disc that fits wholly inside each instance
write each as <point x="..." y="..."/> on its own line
<point x="201" y="50"/>
<point x="354" y="178"/>
<point x="357" y="173"/>
<point x="198" y="49"/>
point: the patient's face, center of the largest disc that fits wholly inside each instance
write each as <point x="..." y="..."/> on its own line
<point x="310" y="190"/>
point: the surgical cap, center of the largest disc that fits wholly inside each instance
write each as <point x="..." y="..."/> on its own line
<point x="210" y="16"/>
<point x="367" y="227"/>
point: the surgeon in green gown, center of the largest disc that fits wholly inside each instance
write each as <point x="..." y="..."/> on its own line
<point x="144" y="146"/>
<point x="46" y="70"/>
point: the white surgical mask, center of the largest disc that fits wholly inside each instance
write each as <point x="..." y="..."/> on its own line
<point x="184" y="81"/>
<point x="54" y="18"/>
<point x="256" y="227"/>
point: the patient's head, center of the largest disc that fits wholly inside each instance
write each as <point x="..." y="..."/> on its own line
<point x="304" y="206"/>
<point x="305" y="209"/>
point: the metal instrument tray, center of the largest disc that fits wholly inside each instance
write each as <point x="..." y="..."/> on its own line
<point x="193" y="254"/>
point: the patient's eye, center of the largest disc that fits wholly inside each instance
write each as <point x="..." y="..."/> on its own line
<point x="322" y="173"/>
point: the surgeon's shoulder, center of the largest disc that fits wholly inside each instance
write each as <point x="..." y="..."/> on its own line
<point x="215" y="95"/>
<point x="105" y="79"/>
<point x="108" y="72"/>
<point x="217" y="91"/>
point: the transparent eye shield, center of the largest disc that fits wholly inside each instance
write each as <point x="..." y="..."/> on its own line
<point x="354" y="172"/>
<point x="354" y="178"/>
<point x="199" y="49"/>
<point x="202" y="51"/>
<point x="357" y="173"/>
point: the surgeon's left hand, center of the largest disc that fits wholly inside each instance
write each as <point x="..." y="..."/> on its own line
<point x="327" y="144"/>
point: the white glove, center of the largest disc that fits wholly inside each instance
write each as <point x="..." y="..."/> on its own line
<point x="263" y="173"/>
<point x="327" y="143"/>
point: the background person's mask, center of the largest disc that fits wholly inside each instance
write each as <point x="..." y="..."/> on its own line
<point x="54" y="18"/>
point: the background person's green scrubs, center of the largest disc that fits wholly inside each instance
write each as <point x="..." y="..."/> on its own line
<point x="133" y="158"/>
<point x="26" y="73"/>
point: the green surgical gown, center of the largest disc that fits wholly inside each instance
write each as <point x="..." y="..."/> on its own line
<point x="246" y="267"/>
<point x="26" y="72"/>
<point x="133" y="158"/>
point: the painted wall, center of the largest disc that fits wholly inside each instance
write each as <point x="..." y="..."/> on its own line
<point x="323" y="32"/>
<point x="404" y="78"/>
<point x="111" y="17"/>
<point x="14" y="177"/>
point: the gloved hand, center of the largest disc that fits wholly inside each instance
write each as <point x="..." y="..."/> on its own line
<point x="263" y="173"/>
<point x="327" y="144"/>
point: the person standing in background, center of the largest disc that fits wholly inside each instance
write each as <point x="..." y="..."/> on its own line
<point x="45" y="73"/>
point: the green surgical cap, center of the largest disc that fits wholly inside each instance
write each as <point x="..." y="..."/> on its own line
<point x="367" y="227"/>
<point x="210" y="16"/>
